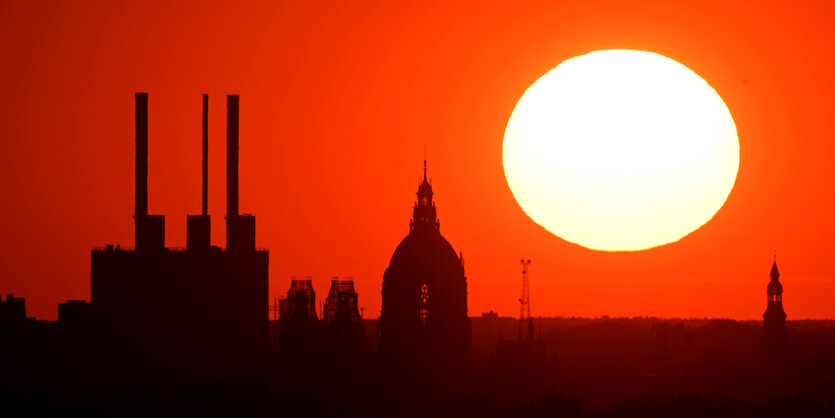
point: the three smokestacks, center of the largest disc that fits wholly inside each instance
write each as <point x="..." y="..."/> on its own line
<point x="150" y="229"/>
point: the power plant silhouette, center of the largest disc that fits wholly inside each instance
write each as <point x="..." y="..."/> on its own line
<point x="203" y="300"/>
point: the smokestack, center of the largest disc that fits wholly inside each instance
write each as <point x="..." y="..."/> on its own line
<point x="141" y="199"/>
<point x="240" y="230"/>
<point x="205" y="154"/>
<point x="150" y="229"/>
<point x="199" y="227"/>
<point x="231" y="155"/>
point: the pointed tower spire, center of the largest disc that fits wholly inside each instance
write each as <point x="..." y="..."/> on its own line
<point x="424" y="216"/>
<point x="424" y="164"/>
<point x="774" y="318"/>
<point x="775" y="273"/>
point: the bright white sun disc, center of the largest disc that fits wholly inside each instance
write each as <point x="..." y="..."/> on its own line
<point x="621" y="150"/>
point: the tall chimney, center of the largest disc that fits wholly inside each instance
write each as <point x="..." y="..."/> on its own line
<point x="141" y="199"/>
<point x="240" y="230"/>
<point x="150" y="229"/>
<point x="231" y="155"/>
<point x="205" y="154"/>
<point x="199" y="227"/>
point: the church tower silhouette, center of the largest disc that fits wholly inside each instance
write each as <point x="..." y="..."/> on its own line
<point x="774" y="319"/>
<point x="424" y="312"/>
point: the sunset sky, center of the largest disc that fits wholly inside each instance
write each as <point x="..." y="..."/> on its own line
<point x="339" y="101"/>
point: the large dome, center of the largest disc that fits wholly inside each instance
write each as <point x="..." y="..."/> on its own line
<point x="425" y="254"/>
<point x="424" y="312"/>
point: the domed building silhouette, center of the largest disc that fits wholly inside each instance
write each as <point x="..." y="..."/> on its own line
<point x="424" y="313"/>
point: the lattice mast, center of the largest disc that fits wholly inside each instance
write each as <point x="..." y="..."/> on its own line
<point x="525" y="302"/>
<point x="274" y="308"/>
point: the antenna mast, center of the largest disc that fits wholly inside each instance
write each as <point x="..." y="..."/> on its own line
<point x="525" y="302"/>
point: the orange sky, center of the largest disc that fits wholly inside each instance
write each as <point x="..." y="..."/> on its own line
<point x="338" y="100"/>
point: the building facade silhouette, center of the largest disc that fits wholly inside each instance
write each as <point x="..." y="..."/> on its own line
<point x="775" y="340"/>
<point x="424" y="309"/>
<point x="298" y="324"/>
<point x="197" y="302"/>
<point x="12" y="310"/>
<point x="341" y="320"/>
<point x="340" y="332"/>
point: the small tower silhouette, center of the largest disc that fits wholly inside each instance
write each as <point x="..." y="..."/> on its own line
<point x="774" y="338"/>
<point x="298" y="330"/>
<point x="424" y="215"/>
<point x="525" y="302"/>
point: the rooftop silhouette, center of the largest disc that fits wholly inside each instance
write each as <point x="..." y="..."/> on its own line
<point x="178" y="329"/>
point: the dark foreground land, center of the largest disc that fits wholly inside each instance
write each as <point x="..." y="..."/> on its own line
<point x="604" y="367"/>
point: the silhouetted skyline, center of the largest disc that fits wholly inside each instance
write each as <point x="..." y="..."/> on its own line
<point x="166" y="299"/>
<point x="342" y="103"/>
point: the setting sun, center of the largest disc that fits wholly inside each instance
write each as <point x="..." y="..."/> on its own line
<point x="621" y="150"/>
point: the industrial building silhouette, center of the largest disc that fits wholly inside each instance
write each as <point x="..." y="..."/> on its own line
<point x="201" y="301"/>
<point x="298" y="324"/>
<point x="340" y="331"/>
<point x="344" y="329"/>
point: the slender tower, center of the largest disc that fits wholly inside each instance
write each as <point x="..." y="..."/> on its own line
<point x="232" y="101"/>
<point x="141" y="166"/>
<point x="150" y="229"/>
<point x="205" y="126"/>
<point x="240" y="228"/>
<point x="199" y="227"/>
<point x="525" y="302"/>
<point x="774" y="319"/>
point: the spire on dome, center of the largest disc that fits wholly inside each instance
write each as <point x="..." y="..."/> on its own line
<point x="424" y="216"/>
<point x="424" y="164"/>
